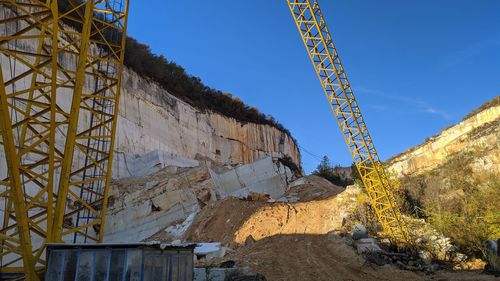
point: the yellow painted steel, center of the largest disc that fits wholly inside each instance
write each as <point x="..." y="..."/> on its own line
<point x="87" y="172"/>
<point x="27" y="116"/>
<point x="323" y="54"/>
<point x="77" y="56"/>
<point x="20" y="242"/>
<point x="73" y="121"/>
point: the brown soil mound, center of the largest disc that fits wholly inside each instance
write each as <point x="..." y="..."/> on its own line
<point x="325" y="257"/>
<point x="313" y="257"/>
<point x="314" y="188"/>
<point x="232" y="221"/>
<point x="295" y="241"/>
<point x="219" y="222"/>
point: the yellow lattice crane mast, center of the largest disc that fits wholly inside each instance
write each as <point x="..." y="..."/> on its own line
<point x="321" y="49"/>
<point x="59" y="92"/>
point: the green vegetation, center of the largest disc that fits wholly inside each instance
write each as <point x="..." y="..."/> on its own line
<point x="288" y="162"/>
<point x="331" y="173"/>
<point x="459" y="203"/>
<point x="356" y="177"/>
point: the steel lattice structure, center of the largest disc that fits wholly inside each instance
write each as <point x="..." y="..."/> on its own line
<point x="86" y="169"/>
<point x="58" y="155"/>
<point x="323" y="54"/>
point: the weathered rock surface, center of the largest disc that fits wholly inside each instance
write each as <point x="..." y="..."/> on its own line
<point x="479" y="132"/>
<point x="162" y="206"/>
<point x="141" y="207"/>
<point x="152" y="119"/>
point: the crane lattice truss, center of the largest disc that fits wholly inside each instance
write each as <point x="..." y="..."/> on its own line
<point x="321" y="49"/>
<point x="59" y="96"/>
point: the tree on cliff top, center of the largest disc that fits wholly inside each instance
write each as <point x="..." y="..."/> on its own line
<point x="176" y="80"/>
<point x="191" y="89"/>
<point x="326" y="170"/>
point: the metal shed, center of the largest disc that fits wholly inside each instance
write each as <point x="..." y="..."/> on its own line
<point x="119" y="262"/>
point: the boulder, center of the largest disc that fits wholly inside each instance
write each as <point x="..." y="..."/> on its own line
<point x="367" y="245"/>
<point x="359" y="232"/>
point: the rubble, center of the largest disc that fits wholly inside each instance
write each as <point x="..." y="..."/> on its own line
<point x="493" y="254"/>
<point x="359" y="232"/>
<point x="255" y="196"/>
<point x="226" y="274"/>
<point x="433" y="245"/>
<point x="300" y="240"/>
<point x="208" y="251"/>
<point x="141" y="207"/>
<point x="300" y="235"/>
<point x="364" y="245"/>
<point x="177" y="231"/>
<point x="161" y="206"/>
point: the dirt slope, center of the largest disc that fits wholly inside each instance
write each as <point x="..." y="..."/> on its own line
<point x="326" y="257"/>
<point x="297" y="241"/>
<point x="232" y="221"/>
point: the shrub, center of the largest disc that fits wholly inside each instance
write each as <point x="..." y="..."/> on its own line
<point x="356" y="177"/>
<point x="327" y="171"/>
<point x="288" y="162"/>
<point x="175" y="79"/>
<point x="458" y="203"/>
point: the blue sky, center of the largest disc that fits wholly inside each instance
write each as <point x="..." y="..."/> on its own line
<point x="415" y="66"/>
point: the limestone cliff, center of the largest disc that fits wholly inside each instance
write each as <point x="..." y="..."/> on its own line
<point x="156" y="129"/>
<point x="479" y="133"/>
<point x="151" y="119"/>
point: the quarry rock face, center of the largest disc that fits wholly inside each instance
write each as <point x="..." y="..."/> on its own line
<point x="156" y="129"/>
<point x="141" y="207"/>
<point x="477" y="133"/>
<point x="162" y="206"/>
<point x="153" y="120"/>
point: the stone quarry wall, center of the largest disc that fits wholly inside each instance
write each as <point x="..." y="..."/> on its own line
<point x="266" y="176"/>
<point x="151" y="119"/>
<point x="477" y="133"/>
<point x="156" y="129"/>
<point x="140" y="207"/>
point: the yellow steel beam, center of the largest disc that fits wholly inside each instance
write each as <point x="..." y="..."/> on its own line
<point x="94" y="141"/>
<point x="30" y="113"/>
<point x="72" y="124"/>
<point x="15" y="187"/>
<point x="37" y="118"/>
<point x="325" y="59"/>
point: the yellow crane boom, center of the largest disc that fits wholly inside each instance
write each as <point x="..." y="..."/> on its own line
<point x="91" y="33"/>
<point x="325" y="59"/>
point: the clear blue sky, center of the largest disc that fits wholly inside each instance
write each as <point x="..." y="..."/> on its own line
<point x="415" y="66"/>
